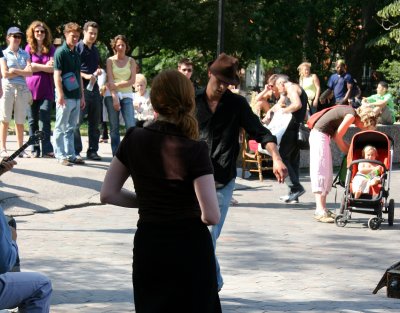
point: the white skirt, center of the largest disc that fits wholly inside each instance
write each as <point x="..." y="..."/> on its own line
<point x="321" y="170"/>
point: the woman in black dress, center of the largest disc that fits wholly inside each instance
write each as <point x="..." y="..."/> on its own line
<point x="173" y="257"/>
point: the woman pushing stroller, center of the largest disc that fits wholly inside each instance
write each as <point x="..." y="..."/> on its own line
<point x="332" y="124"/>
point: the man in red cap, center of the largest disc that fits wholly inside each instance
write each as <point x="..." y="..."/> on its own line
<point x="221" y="114"/>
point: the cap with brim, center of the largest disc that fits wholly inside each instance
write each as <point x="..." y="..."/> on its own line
<point x="225" y="68"/>
<point x="14" y="30"/>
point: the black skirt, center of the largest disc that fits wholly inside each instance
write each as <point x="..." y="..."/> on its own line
<point x="174" y="268"/>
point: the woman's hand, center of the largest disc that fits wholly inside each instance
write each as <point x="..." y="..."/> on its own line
<point x="116" y="104"/>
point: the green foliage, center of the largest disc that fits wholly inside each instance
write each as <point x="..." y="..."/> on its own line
<point x="389" y="18"/>
<point x="284" y="31"/>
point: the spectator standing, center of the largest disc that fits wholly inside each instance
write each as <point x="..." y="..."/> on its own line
<point x="311" y="85"/>
<point x="15" y="66"/>
<point x="41" y="85"/>
<point x="69" y="95"/>
<point x="295" y="103"/>
<point x="221" y="114"/>
<point x="90" y="70"/>
<point x="141" y="101"/>
<point x="340" y="85"/>
<point x="185" y="66"/>
<point x="121" y="74"/>
<point x="173" y="259"/>
<point x="29" y="291"/>
<point x="383" y="100"/>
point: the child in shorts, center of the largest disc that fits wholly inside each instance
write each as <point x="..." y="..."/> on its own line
<point x="368" y="173"/>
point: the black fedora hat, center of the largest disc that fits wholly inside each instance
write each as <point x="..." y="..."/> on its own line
<point x="225" y="68"/>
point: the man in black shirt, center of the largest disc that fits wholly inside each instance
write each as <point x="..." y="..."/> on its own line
<point x="221" y="114"/>
<point x="90" y="60"/>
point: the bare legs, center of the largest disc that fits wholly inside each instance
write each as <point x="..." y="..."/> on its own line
<point x="19" y="130"/>
<point x="320" y="201"/>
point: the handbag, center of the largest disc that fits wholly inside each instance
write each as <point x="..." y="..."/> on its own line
<point x="302" y="137"/>
<point x="70" y="82"/>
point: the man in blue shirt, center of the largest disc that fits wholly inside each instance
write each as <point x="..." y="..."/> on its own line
<point x="28" y="291"/>
<point x="340" y="84"/>
<point x="90" y="60"/>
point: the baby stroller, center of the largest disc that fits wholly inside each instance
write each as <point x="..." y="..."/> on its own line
<point x="376" y="201"/>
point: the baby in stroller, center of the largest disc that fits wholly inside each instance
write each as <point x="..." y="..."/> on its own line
<point x="368" y="174"/>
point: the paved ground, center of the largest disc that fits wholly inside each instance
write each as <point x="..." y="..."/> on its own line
<point x="274" y="257"/>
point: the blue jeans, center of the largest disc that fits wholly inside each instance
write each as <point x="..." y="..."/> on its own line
<point x="113" y="116"/>
<point x="66" y="120"/>
<point x="93" y="109"/>
<point x="29" y="291"/>
<point x="39" y="115"/>
<point x="224" y="195"/>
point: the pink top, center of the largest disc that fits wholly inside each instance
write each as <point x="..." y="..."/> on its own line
<point x="41" y="84"/>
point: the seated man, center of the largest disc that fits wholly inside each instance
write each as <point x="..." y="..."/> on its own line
<point x="384" y="101"/>
<point x="28" y="291"/>
<point x="263" y="101"/>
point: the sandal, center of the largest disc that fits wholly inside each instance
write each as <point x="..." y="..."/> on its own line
<point x="49" y="155"/>
<point x="24" y="155"/>
<point x="4" y="154"/>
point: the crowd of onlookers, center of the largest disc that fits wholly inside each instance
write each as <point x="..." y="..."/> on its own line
<point x="68" y="76"/>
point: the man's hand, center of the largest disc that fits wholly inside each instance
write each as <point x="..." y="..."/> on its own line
<point x="82" y="102"/>
<point x="280" y="170"/>
<point x="61" y="100"/>
<point x="6" y="165"/>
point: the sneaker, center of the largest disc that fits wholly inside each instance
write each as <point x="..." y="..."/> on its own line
<point x="78" y="160"/>
<point x="4" y="154"/>
<point x="284" y="198"/>
<point x="295" y="195"/>
<point x="293" y="201"/>
<point x="65" y="162"/>
<point x="93" y="156"/>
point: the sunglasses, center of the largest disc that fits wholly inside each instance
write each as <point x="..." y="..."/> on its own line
<point x="187" y="70"/>
<point x="39" y="31"/>
<point x="16" y="36"/>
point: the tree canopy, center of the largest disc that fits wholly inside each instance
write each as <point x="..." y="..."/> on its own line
<point x="283" y="31"/>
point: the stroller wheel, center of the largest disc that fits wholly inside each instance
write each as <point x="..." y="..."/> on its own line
<point x="340" y="221"/>
<point x="391" y="212"/>
<point x="374" y="223"/>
